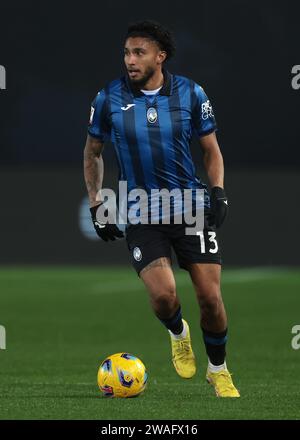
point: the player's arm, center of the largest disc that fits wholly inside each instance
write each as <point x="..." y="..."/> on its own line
<point x="214" y="165"/>
<point x="213" y="160"/>
<point x="93" y="168"/>
<point x="204" y="124"/>
<point x="93" y="175"/>
<point x="93" y="165"/>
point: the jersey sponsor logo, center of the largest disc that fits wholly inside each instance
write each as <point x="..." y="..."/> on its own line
<point x="137" y="254"/>
<point x="128" y="106"/>
<point x="152" y="115"/>
<point x="92" y="115"/>
<point x="207" y="111"/>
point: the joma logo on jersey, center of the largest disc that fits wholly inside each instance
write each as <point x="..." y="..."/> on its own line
<point x="2" y="78"/>
<point x="2" y="338"/>
<point x="207" y="111"/>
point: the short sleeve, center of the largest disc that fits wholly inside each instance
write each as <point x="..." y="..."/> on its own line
<point x="99" y="126"/>
<point x="203" y="117"/>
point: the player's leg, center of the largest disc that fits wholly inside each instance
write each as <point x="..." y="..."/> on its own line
<point x="213" y="320"/>
<point x="160" y="283"/>
<point x="150" y="252"/>
<point x="200" y="255"/>
<point x="206" y="280"/>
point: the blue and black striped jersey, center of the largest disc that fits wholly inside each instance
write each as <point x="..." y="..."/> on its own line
<point x="152" y="135"/>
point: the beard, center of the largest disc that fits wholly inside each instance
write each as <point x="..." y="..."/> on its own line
<point x="140" y="83"/>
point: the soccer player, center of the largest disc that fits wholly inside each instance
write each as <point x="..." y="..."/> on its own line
<point x="150" y="115"/>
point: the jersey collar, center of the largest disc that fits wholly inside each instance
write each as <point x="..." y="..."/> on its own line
<point x="166" y="89"/>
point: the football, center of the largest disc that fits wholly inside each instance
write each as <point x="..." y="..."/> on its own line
<point x="122" y="375"/>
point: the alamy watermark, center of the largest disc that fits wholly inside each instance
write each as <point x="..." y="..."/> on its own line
<point x="159" y="205"/>
<point x="296" y="79"/>
<point x="2" y="78"/>
<point x="2" y="338"/>
<point x="296" y="339"/>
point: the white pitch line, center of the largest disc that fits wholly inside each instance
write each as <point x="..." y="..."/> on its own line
<point x="251" y="274"/>
<point x="183" y="280"/>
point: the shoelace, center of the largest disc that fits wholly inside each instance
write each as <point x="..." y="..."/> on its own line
<point x="227" y="384"/>
<point x="182" y="348"/>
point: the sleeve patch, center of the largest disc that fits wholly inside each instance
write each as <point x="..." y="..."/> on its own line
<point x="206" y="110"/>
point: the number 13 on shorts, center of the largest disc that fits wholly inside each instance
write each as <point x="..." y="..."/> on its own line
<point x="213" y="244"/>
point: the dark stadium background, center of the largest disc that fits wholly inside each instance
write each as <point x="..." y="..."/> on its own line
<point x="68" y="300"/>
<point x="57" y="56"/>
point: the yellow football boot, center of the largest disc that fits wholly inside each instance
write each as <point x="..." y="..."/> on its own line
<point x="222" y="383"/>
<point x="182" y="354"/>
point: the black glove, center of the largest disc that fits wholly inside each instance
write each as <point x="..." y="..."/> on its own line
<point x="106" y="231"/>
<point x="218" y="206"/>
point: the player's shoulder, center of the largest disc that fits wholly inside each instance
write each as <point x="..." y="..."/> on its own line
<point x="110" y="87"/>
<point x="182" y="80"/>
<point x="187" y="82"/>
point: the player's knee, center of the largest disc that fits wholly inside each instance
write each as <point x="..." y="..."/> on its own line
<point x="165" y="289"/>
<point x="165" y="300"/>
<point x="211" y="304"/>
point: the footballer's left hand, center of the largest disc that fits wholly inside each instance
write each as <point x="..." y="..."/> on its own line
<point x="218" y="206"/>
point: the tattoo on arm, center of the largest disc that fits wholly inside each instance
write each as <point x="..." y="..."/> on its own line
<point x="93" y="168"/>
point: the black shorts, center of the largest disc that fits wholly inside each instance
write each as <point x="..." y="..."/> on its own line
<point x="148" y="242"/>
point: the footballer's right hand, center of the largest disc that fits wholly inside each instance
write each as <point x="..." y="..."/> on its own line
<point x="106" y="231"/>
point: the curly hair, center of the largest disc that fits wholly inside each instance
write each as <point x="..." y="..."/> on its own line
<point x="155" y="32"/>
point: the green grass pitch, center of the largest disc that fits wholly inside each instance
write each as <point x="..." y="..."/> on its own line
<point x="62" y="322"/>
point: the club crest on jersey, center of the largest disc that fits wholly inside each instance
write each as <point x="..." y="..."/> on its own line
<point x="137" y="254"/>
<point x="207" y="111"/>
<point x="152" y="115"/>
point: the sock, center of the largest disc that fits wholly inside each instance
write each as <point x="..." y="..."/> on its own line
<point x="179" y="335"/>
<point x="174" y="324"/>
<point x="216" y="368"/>
<point x="215" y="344"/>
